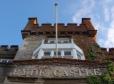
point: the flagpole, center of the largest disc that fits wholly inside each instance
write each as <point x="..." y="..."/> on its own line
<point x="56" y="30"/>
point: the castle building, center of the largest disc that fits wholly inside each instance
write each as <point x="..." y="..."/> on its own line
<point x="37" y="62"/>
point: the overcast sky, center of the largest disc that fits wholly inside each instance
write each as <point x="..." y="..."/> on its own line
<point x="14" y="16"/>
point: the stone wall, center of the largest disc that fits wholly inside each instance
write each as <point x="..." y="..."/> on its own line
<point x="48" y="71"/>
<point x="76" y="81"/>
<point x="50" y="81"/>
<point x="4" y="71"/>
<point x="29" y="45"/>
<point x="7" y="54"/>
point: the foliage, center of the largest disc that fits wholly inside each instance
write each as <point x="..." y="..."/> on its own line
<point x="110" y="67"/>
<point x="94" y="80"/>
<point x="91" y="54"/>
<point x="104" y="78"/>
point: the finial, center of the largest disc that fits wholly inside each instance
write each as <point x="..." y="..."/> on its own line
<point x="56" y="4"/>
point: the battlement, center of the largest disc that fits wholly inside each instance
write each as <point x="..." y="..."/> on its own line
<point x="33" y="28"/>
<point x="104" y="49"/>
<point x="6" y="47"/>
<point x="111" y="51"/>
<point x="46" y="24"/>
<point x="33" y="21"/>
<point x="8" y="52"/>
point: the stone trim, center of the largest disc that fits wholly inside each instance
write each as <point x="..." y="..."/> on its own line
<point x="60" y="61"/>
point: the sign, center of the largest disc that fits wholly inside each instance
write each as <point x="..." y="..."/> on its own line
<point x="55" y="71"/>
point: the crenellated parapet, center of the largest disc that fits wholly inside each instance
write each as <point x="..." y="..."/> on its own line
<point x="8" y="52"/>
<point x="6" y="47"/>
<point x="33" y="28"/>
<point x="109" y="53"/>
<point x="104" y="50"/>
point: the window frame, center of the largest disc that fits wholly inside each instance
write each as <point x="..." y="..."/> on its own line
<point x="66" y="53"/>
<point x="79" y="54"/>
<point x="49" y="53"/>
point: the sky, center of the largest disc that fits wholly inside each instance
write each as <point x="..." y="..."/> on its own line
<point x="14" y="15"/>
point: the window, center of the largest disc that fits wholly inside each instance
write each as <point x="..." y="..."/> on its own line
<point x="66" y="41"/>
<point x="47" y="32"/>
<point x="77" y="33"/>
<point x="66" y="49"/>
<point x="62" y="32"/>
<point x="79" y="54"/>
<point x="59" y="53"/>
<point x="40" y="33"/>
<point x="59" y="41"/>
<point x="67" y="53"/>
<point x="51" y="42"/>
<point x="47" y="53"/>
<point x="33" y="33"/>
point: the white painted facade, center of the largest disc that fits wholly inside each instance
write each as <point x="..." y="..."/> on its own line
<point x="66" y="49"/>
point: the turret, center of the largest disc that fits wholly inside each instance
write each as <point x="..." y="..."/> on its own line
<point x="31" y="25"/>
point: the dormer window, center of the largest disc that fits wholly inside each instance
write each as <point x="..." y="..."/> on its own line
<point x="66" y="49"/>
